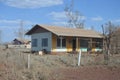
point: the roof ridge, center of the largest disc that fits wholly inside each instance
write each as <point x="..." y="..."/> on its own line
<point x="66" y="31"/>
<point x="44" y="25"/>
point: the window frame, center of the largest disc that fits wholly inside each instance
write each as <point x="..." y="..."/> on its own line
<point x="62" y="42"/>
<point x="34" y="42"/>
<point x="84" y="43"/>
<point x="44" y="42"/>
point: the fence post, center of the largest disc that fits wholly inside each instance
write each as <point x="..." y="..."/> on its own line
<point x="28" y="61"/>
<point x="79" y="58"/>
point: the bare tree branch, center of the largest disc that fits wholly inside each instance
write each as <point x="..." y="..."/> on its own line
<point x="74" y="17"/>
<point x="110" y="39"/>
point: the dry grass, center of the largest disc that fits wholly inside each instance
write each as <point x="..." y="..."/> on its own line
<point x="13" y="64"/>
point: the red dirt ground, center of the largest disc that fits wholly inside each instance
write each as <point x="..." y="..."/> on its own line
<point x="89" y="73"/>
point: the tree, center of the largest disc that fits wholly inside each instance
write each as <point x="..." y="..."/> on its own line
<point x="75" y="19"/>
<point x="0" y="36"/>
<point x="108" y="31"/>
<point x="20" y="33"/>
<point x="115" y="41"/>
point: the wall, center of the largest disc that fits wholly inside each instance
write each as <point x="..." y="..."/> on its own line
<point x="54" y="45"/>
<point x="39" y="37"/>
<point x="54" y="37"/>
<point x="69" y="45"/>
<point x="17" y="46"/>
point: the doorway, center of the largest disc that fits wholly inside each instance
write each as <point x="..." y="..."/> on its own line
<point x="74" y="44"/>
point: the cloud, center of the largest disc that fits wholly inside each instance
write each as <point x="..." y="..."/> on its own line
<point x="14" y="24"/>
<point x="117" y="20"/>
<point x="98" y="18"/>
<point x="9" y="21"/>
<point x="58" y="15"/>
<point x="82" y="17"/>
<point x="62" y="16"/>
<point x="60" y="23"/>
<point x="17" y="21"/>
<point x="9" y="27"/>
<point x="31" y="3"/>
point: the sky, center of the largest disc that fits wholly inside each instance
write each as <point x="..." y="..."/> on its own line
<point x="51" y="12"/>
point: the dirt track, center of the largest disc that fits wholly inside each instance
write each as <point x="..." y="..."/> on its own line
<point x="90" y="73"/>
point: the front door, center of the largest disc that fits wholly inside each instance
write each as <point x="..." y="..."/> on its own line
<point x="74" y="44"/>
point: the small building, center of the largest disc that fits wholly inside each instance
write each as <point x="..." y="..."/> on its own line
<point x="61" y="39"/>
<point x="17" y="41"/>
<point x="20" y="43"/>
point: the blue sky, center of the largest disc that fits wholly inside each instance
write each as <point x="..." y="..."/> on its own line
<point x="51" y="12"/>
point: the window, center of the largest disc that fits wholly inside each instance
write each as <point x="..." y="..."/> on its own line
<point x="45" y="42"/>
<point x="98" y="43"/>
<point x="83" y="43"/>
<point x="58" y="42"/>
<point x="34" y="42"/>
<point x="61" y="42"/>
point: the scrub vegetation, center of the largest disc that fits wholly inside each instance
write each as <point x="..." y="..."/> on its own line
<point x="14" y="66"/>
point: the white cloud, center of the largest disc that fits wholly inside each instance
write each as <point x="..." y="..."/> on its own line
<point x="60" y="23"/>
<point x="98" y="18"/>
<point x="58" y="15"/>
<point x="17" y="21"/>
<point x="14" y="24"/>
<point x="32" y="3"/>
<point x="117" y="20"/>
<point x="9" y="27"/>
<point x="9" y="21"/>
<point x="82" y="17"/>
<point x="62" y="16"/>
<point x="61" y="19"/>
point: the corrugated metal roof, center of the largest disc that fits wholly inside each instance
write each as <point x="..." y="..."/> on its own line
<point x="64" y="31"/>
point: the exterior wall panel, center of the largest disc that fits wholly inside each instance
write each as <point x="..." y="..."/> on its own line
<point x="69" y="44"/>
<point x="54" y="38"/>
<point x="39" y="37"/>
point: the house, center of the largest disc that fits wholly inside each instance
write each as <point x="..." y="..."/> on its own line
<point x="17" y="42"/>
<point x="20" y="43"/>
<point x="61" y="39"/>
